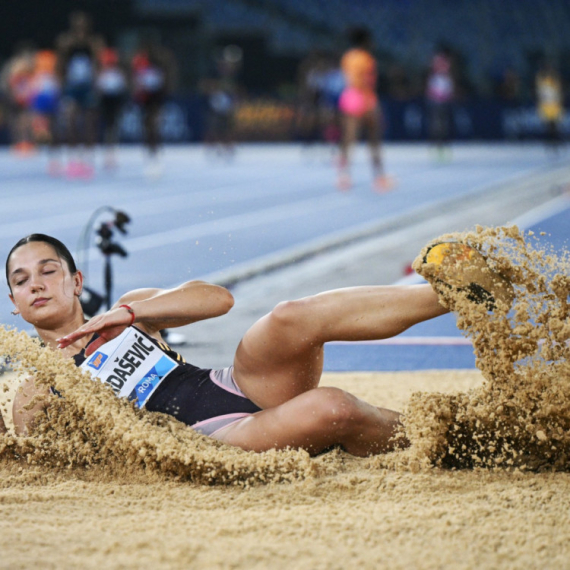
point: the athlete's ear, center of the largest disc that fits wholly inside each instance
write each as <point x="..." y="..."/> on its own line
<point x="16" y="311"/>
<point x="78" y="281"/>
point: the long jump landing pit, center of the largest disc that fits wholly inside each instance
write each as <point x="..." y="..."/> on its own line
<point x="484" y="484"/>
<point x="355" y="514"/>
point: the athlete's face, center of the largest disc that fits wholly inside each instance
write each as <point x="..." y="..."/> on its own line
<point x="44" y="291"/>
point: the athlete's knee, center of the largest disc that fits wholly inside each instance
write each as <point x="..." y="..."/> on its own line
<point x="334" y="410"/>
<point x="294" y="314"/>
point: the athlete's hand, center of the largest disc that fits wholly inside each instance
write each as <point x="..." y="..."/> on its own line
<point x="107" y="325"/>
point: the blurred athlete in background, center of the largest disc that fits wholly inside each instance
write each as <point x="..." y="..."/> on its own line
<point x="45" y="105"/>
<point x="223" y="92"/>
<point x="16" y="81"/>
<point x="360" y="108"/>
<point x="112" y="90"/>
<point x="439" y="96"/>
<point x="153" y="78"/>
<point x="550" y="103"/>
<point x="78" y="54"/>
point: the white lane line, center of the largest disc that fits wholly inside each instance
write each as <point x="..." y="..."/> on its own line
<point x="412" y="341"/>
<point x="543" y="212"/>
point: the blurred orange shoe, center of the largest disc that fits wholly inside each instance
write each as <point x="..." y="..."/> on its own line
<point x="383" y="184"/>
<point x="24" y="148"/>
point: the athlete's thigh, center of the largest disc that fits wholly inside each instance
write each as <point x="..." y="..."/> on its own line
<point x="293" y="424"/>
<point x="272" y="365"/>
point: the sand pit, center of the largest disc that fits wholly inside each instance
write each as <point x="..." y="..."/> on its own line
<point x="358" y="515"/>
<point x="484" y="484"/>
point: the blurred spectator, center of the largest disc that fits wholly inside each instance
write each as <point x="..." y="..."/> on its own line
<point x="360" y="108"/>
<point x="153" y="78"/>
<point x="112" y="89"/>
<point x="223" y="92"/>
<point x="549" y="100"/>
<point x="16" y="81"/>
<point x="440" y="91"/>
<point x="78" y="54"/>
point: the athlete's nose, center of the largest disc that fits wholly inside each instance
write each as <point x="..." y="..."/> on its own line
<point x="36" y="284"/>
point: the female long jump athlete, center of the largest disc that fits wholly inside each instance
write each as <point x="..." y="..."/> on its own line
<point x="269" y="398"/>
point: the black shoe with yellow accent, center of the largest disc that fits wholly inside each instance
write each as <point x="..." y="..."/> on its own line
<point x="459" y="266"/>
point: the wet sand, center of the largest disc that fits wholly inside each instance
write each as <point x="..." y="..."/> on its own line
<point x="357" y="515"/>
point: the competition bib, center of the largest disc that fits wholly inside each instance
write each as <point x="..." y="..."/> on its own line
<point x="131" y="364"/>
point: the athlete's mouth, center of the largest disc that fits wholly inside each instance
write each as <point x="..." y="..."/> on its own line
<point x="40" y="301"/>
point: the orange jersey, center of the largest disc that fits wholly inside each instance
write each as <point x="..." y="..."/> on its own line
<point x="359" y="68"/>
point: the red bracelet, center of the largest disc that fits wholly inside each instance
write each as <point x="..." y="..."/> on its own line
<point x="130" y="311"/>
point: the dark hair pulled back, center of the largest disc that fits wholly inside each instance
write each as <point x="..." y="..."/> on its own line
<point x="58" y="246"/>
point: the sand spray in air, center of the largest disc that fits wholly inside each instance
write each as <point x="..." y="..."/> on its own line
<point x="520" y="417"/>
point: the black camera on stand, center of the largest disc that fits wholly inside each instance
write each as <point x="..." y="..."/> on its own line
<point x="108" y="248"/>
<point x="92" y="301"/>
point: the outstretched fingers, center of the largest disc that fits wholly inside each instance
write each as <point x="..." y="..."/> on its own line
<point x="108" y="326"/>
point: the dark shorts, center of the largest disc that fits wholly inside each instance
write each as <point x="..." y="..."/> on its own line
<point x="206" y="400"/>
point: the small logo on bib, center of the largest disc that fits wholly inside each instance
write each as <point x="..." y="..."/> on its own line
<point x="97" y="360"/>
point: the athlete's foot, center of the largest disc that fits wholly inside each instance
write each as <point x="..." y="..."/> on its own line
<point x="383" y="184"/>
<point x="344" y="182"/>
<point x="457" y="266"/>
<point x="79" y="170"/>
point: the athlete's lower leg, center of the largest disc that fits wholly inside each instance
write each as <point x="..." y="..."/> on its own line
<point x="317" y="420"/>
<point x="371" y="431"/>
<point x="366" y="313"/>
<point x="348" y="138"/>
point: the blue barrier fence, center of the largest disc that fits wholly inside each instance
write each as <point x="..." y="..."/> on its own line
<point x="184" y="120"/>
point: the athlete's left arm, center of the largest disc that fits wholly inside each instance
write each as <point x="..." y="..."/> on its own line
<point x="158" y="309"/>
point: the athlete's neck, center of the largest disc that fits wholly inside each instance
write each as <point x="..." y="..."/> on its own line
<point x="50" y="336"/>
